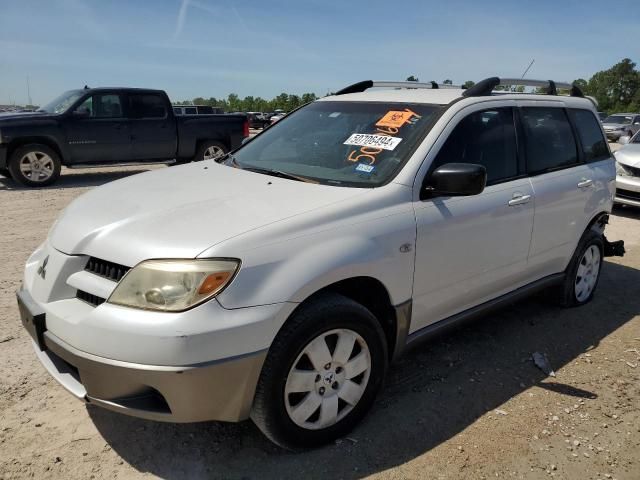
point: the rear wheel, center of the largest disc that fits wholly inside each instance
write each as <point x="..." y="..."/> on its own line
<point x="210" y="150"/>
<point x="583" y="272"/>
<point x="34" y="165"/>
<point x="322" y="373"/>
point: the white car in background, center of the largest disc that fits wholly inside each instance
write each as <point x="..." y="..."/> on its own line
<point x="280" y="284"/>
<point x="628" y="171"/>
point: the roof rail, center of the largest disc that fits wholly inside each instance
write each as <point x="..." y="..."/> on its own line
<point x="487" y="86"/>
<point x="367" y="84"/>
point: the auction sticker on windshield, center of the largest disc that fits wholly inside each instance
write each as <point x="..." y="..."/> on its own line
<point x="368" y="140"/>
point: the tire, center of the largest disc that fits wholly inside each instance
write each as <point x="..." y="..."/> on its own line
<point x="5" y="172"/>
<point x="42" y="156"/>
<point x="328" y="318"/>
<point x="583" y="272"/>
<point x="207" y="148"/>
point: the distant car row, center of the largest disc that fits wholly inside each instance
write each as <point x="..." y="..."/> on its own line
<point x="621" y="125"/>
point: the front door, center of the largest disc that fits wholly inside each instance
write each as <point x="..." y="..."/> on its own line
<point x="472" y="249"/>
<point x="98" y="131"/>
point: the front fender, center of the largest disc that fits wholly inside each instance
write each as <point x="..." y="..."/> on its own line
<point x="293" y="270"/>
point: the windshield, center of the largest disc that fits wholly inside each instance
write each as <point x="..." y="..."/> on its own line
<point x="62" y="103"/>
<point x="618" y="119"/>
<point x="635" y="138"/>
<point x="361" y="144"/>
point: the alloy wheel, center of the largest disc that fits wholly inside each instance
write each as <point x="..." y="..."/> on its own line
<point x="587" y="274"/>
<point x="213" y="152"/>
<point x="37" y="166"/>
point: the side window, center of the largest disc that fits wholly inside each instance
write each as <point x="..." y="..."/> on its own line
<point x="102" y="106"/>
<point x="147" y="106"/>
<point x="549" y="141"/>
<point x="593" y="143"/>
<point x="191" y="110"/>
<point x="177" y="111"/>
<point x="486" y="138"/>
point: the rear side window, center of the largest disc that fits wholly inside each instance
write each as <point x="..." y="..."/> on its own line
<point x="593" y="143"/>
<point x="147" y="106"/>
<point x="485" y="138"/>
<point x="549" y="141"/>
<point x="190" y="111"/>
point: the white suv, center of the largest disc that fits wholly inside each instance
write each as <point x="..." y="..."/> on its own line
<point x="280" y="283"/>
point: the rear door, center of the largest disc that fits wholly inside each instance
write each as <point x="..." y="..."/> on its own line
<point x="568" y="191"/>
<point x="101" y="134"/>
<point x="472" y="249"/>
<point x="153" y="129"/>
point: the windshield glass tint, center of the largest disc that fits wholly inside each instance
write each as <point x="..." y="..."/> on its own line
<point x="617" y="119"/>
<point x="62" y="103"/>
<point x="361" y="144"/>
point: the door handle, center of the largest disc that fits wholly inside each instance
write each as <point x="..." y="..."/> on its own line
<point x="519" y="199"/>
<point x="585" y="182"/>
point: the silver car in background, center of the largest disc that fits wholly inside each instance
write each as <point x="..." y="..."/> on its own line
<point x="628" y="172"/>
<point x="620" y="125"/>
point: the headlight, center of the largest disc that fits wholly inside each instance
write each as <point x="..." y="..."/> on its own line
<point x="173" y="285"/>
<point x="622" y="170"/>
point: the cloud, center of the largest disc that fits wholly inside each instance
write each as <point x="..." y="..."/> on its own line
<point x="181" y="18"/>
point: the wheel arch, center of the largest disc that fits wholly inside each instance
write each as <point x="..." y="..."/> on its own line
<point x="22" y="141"/>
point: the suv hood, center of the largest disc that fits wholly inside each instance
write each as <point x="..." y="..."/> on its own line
<point x="181" y="211"/>
<point x="11" y="117"/>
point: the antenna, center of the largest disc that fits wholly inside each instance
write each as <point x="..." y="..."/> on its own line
<point x="525" y="72"/>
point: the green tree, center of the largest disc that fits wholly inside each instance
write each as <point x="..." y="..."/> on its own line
<point x="412" y="78"/>
<point x="448" y="82"/>
<point x="468" y="84"/>
<point x="616" y="89"/>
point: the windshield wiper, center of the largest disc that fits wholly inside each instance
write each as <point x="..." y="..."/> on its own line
<point x="279" y="173"/>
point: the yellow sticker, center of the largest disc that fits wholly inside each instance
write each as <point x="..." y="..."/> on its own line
<point x="396" y="118"/>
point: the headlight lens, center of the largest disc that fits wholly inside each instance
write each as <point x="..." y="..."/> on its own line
<point x="173" y="285"/>
<point x="621" y="170"/>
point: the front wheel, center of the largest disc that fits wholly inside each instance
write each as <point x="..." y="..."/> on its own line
<point x="34" y="165"/>
<point x="583" y="272"/>
<point x="322" y="373"/>
<point x="210" y="150"/>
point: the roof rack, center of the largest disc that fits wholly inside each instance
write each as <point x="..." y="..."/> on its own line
<point x="367" y="84"/>
<point x="487" y="86"/>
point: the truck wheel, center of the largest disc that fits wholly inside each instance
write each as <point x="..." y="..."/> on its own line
<point x="322" y="373"/>
<point x="210" y="150"/>
<point x="34" y="165"/>
<point x="583" y="272"/>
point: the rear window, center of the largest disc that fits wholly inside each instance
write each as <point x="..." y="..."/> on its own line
<point x="593" y="143"/>
<point x="147" y="106"/>
<point x="549" y="140"/>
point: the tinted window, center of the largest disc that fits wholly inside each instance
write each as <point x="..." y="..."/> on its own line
<point x="594" y="145"/>
<point x="147" y="106"/>
<point x="485" y="138"/>
<point x="102" y="106"/>
<point x="549" y="141"/>
<point x="190" y="111"/>
<point x="177" y="111"/>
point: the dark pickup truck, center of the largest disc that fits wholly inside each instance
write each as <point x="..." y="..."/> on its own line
<point x="106" y="127"/>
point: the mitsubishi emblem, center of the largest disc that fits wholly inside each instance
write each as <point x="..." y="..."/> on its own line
<point x="42" y="269"/>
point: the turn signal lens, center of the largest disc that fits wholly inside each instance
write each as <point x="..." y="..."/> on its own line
<point x="213" y="283"/>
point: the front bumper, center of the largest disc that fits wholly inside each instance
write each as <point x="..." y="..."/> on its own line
<point x="614" y="134"/>
<point x="221" y="390"/>
<point x="627" y="190"/>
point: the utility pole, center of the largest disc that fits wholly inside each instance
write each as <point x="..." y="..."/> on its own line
<point x="29" y="91"/>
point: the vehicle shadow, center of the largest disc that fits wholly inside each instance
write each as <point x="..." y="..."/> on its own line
<point x="76" y="178"/>
<point x="432" y="394"/>
<point x="626" y="211"/>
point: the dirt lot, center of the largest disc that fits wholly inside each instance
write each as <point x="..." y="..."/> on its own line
<point x="468" y="405"/>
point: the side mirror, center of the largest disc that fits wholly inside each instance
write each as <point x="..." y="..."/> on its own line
<point x="456" y="179"/>
<point x="624" y="140"/>
<point x="81" y="112"/>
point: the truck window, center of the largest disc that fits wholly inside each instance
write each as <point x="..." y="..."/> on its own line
<point x="593" y="143"/>
<point x="485" y="138"/>
<point x="147" y="106"/>
<point x="102" y="106"/>
<point x="177" y="110"/>
<point x="190" y="111"/>
<point x="549" y="141"/>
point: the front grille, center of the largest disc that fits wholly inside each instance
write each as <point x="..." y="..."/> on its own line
<point x="90" y="298"/>
<point x="635" y="171"/>
<point x="628" y="194"/>
<point x="110" y="270"/>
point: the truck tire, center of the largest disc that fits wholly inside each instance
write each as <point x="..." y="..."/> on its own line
<point x="210" y="150"/>
<point x="583" y="272"/>
<point x="34" y="165"/>
<point x="5" y="172"/>
<point x="322" y="373"/>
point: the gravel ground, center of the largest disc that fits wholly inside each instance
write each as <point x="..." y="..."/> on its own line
<point x="468" y="405"/>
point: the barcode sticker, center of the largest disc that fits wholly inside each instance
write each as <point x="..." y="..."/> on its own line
<point x="376" y="141"/>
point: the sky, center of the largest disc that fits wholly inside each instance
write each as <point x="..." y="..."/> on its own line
<point x="211" y="48"/>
